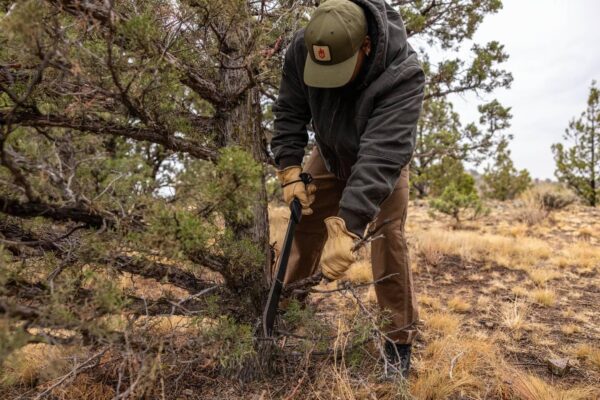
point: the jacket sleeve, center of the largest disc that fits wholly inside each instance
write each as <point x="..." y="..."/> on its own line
<point x="386" y="146"/>
<point x="291" y="110"/>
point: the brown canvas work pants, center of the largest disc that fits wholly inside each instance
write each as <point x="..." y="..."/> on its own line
<point x="389" y="255"/>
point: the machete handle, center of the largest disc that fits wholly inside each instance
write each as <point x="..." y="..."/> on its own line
<point x="306" y="178"/>
<point x="295" y="205"/>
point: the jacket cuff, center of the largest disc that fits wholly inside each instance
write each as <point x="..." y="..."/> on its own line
<point x="289" y="161"/>
<point x="355" y="223"/>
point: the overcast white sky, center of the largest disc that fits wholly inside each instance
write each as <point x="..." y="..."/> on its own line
<point x="554" y="48"/>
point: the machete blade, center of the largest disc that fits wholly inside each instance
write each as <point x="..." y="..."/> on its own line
<point x="270" y="311"/>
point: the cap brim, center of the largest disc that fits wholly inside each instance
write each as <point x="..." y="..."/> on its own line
<point x="329" y="76"/>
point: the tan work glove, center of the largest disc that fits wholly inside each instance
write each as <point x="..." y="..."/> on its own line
<point x="337" y="254"/>
<point x="293" y="186"/>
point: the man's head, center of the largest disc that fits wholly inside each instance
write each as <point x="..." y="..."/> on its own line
<point x="337" y="43"/>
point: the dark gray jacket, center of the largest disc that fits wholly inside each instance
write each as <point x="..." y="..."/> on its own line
<point x="365" y="131"/>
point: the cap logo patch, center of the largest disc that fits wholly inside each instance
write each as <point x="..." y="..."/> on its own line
<point x="321" y="53"/>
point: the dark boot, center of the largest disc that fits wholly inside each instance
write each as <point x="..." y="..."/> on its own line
<point x="399" y="356"/>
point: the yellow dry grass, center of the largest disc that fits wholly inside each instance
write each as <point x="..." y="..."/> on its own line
<point x="542" y="275"/>
<point x="543" y="297"/>
<point x="84" y="387"/>
<point x="517" y="253"/>
<point x="589" y="354"/>
<point x="458" y="304"/>
<point x="519" y="291"/>
<point x="442" y="323"/>
<point x="429" y="301"/>
<point x="529" y="387"/>
<point x="360" y="272"/>
<point x="514" y="315"/>
<point x="453" y="367"/>
<point x="34" y="364"/>
<point x="580" y="255"/>
<point x="570" y="329"/>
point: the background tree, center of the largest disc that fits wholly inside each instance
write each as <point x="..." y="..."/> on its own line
<point x="578" y="166"/>
<point x="458" y="198"/>
<point x="501" y="180"/>
<point x="444" y="146"/>
<point x="450" y="25"/>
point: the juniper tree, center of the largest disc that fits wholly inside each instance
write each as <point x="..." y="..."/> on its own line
<point x="449" y="25"/>
<point x="501" y="180"/>
<point x="443" y="144"/>
<point x="459" y="197"/>
<point x="578" y="166"/>
<point x="132" y="142"/>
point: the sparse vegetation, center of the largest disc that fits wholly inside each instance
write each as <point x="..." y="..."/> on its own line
<point x="139" y="219"/>
<point x="578" y="166"/>
<point x="539" y="201"/>
<point x="459" y="198"/>
<point x="501" y="180"/>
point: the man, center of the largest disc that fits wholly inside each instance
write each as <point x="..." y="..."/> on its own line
<point x="353" y="74"/>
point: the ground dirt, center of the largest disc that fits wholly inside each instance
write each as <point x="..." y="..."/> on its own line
<point x="497" y="299"/>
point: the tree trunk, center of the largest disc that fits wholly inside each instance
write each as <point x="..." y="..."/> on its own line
<point x="242" y="126"/>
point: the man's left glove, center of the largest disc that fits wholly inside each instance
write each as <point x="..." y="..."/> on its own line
<point x="337" y="254"/>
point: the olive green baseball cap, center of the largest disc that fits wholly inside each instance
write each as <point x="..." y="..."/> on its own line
<point x="333" y="38"/>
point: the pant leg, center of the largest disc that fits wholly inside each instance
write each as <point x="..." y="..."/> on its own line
<point x="311" y="233"/>
<point x="389" y="255"/>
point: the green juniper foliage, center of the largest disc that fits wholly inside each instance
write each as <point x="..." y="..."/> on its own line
<point x="501" y="180"/>
<point x="132" y="148"/>
<point x="458" y="198"/>
<point x="440" y="133"/>
<point x="578" y="160"/>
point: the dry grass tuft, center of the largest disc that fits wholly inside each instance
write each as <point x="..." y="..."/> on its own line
<point x="455" y="368"/>
<point x="580" y="255"/>
<point x="588" y="353"/>
<point x="514" y="315"/>
<point x="528" y="387"/>
<point x="570" y="329"/>
<point x="585" y="233"/>
<point x="442" y="323"/>
<point x="519" y="291"/>
<point x="84" y="387"/>
<point x="360" y="272"/>
<point x="542" y="275"/>
<point x="429" y="301"/>
<point x="470" y="246"/>
<point x="34" y="364"/>
<point x="458" y="304"/>
<point x="543" y="297"/>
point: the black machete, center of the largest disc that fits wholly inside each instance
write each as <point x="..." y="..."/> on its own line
<point x="270" y="311"/>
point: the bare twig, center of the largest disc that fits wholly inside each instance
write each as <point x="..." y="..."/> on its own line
<point x="87" y="364"/>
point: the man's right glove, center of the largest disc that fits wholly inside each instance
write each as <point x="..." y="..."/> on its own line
<point x="293" y="186"/>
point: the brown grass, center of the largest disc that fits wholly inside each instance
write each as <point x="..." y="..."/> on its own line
<point x="514" y="315"/>
<point x="458" y="304"/>
<point x="360" y="272"/>
<point x="542" y="275"/>
<point x="529" y="387"/>
<point x="543" y="297"/>
<point x="520" y="253"/>
<point x="34" y="364"/>
<point x="442" y="323"/>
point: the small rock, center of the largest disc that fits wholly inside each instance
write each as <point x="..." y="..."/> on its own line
<point x="558" y="366"/>
<point x="188" y="392"/>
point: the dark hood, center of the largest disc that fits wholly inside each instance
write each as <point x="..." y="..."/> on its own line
<point x="388" y="39"/>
